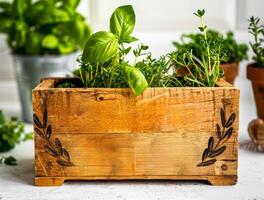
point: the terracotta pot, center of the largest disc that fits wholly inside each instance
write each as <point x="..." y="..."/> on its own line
<point x="256" y="75"/>
<point x="231" y="71"/>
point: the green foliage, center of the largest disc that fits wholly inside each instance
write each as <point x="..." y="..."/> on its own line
<point x="43" y="26"/>
<point x="231" y="50"/>
<point x="122" y="23"/>
<point x="10" y="160"/>
<point x="135" y="79"/>
<point x="100" y="47"/>
<point x="202" y="71"/>
<point x="103" y="63"/>
<point x="257" y="30"/>
<point x="11" y="133"/>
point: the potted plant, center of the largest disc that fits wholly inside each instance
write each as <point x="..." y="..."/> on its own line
<point x="255" y="71"/>
<point x="44" y="37"/>
<point x="232" y="53"/>
<point x="135" y="120"/>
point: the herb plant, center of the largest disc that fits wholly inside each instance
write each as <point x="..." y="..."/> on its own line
<point x="12" y="132"/>
<point x="43" y="26"/>
<point x="10" y="160"/>
<point x="231" y="50"/>
<point x="202" y="71"/>
<point x="257" y="30"/>
<point x="103" y="63"/>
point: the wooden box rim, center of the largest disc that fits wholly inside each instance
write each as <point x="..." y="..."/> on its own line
<point x="48" y="84"/>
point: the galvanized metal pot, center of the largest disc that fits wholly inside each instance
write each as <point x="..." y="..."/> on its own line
<point x="30" y="69"/>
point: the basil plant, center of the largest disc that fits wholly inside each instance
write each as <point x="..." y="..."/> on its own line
<point x="43" y="26"/>
<point x="103" y="62"/>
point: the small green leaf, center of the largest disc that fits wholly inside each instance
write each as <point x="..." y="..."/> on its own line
<point x="10" y="161"/>
<point x="50" y="41"/>
<point x="122" y="22"/>
<point x="100" y="47"/>
<point x="135" y="79"/>
<point x="129" y="39"/>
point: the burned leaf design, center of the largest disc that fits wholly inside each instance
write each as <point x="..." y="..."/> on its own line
<point x="58" y="146"/>
<point x="213" y="150"/>
<point x="228" y="133"/>
<point x="231" y="120"/>
<point x="39" y="132"/>
<point x="218" y="131"/>
<point x="205" y="154"/>
<point x="217" y="152"/>
<point x="37" y="121"/>
<point x="206" y="163"/>
<point x="45" y="118"/>
<point x="56" y="149"/>
<point x="65" y="154"/>
<point x="51" y="151"/>
<point x="64" y="163"/>
<point x="211" y="144"/>
<point x="48" y="132"/>
<point x="223" y="119"/>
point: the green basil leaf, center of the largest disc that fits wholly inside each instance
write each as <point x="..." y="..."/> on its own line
<point x="100" y="47"/>
<point x="122" y="22"/>
<point x="129" y="39"/>
<point x="50" y="41"/>
<point x="135" y="79"/>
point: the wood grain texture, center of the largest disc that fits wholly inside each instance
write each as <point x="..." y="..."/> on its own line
<point x="111" y="134"/>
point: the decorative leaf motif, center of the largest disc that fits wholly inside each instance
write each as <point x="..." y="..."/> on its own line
<point x="49" y="131"/>
<point x="51" y="151"/>
<point x="56" y="150"/>
<point x="45" y="118"/>
<point x="39" y="132"/>
<point x="205" y="154"/>
<point x="65" y="154"/>
<point x="64" y="163"/>
<point x="215" y="150"/>
<point x="58" y="146"/>
<point x="37" y="121"/>
<point x="228" y="133"/>
<point x="231" y="120"/>
<point x="218" y="131"/>
<point x="211" y="143"/>
<point x="223" y="118"/>
<point x="206" y="163"/>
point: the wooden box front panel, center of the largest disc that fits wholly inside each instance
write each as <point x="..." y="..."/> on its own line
<point x="111" y="134"/>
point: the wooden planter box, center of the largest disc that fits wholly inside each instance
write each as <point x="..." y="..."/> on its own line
<point x="166" y="133"/>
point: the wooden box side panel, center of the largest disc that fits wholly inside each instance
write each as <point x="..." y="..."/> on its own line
<point x="164" y="132"/>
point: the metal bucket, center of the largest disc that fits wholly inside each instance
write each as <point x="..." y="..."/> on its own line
<point x="30" y="69"/>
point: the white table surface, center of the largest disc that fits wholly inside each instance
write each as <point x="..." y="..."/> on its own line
<point x="17" y="182"/>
